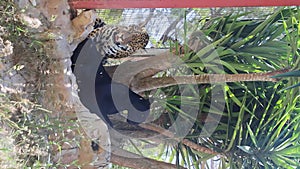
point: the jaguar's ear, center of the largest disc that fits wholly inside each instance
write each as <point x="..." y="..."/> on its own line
<point x="99" y="23"/>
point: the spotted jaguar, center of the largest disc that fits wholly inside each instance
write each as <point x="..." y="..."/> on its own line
<point x="118" y="41"/>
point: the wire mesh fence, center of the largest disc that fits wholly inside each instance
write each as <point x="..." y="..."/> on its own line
<point x="170" y="22"/>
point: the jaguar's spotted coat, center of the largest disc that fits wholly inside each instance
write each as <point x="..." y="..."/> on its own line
<point x="118" y="41"/>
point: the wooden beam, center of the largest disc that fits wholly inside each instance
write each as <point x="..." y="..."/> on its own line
<point x="118" y="4"/>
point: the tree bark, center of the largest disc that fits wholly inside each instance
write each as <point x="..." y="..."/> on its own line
<point x="150" y="83"/>
<point x="56" y="84"/>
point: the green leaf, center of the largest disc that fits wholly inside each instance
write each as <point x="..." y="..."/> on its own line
<point x="246" y="149"/>
<point x="238" y="125"/>
<point x="293" y="151"/>
<point x="280" y="124"/>
<point x="209" y="48"/>
<point x="290" y="87"/>
<point x="252" y="136"/>
<point x="241" y="43"/>
<point x="229" y="66"/>
<point x="295" y="73"/>
<point x="280" y="162"/>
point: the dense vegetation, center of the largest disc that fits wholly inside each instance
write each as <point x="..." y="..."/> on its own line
<point x="259" y="121"/>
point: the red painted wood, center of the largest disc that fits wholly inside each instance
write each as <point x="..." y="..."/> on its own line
<point x="104" y="4"/>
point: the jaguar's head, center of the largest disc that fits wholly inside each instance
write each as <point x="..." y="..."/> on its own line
<point x="135" y="36"/>
<point x="131" y="39"/>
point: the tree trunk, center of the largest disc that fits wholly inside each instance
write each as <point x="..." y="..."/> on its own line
<point x="42" y="76"/>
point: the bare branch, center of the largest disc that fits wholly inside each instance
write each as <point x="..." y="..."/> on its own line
<point x="165" y="35"/>
<point x="186" y="142"/>
<point x="128" y="159"/>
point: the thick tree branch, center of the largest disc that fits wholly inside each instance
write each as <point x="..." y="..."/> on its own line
<point x="150" y="83"/>
<point x="125" y="72"/>
<point x="138" y="74"/>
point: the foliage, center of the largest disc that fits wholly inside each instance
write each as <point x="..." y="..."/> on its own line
<point x="110" y="16"/>
<point x="259" y="126"/>
<point x="295" y="73"/>
<point x="260" y="123"/>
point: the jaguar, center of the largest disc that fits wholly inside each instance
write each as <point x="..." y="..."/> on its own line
<point x="115" y="41"/>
